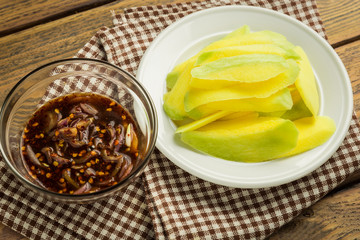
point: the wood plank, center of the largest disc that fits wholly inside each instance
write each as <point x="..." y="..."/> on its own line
<point x="9" y="234"/>
<point x="335" y="217"/>
<point x="53" y="41"/>
<point x="341" y="19"/>
<point x="20" y="14"/>
<point x="350" y="55"/>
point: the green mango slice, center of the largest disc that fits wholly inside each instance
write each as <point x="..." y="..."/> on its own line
<point x="240" y="116"/>
<point x="242" y="68"/>
<point x="245" y="29"/>
<point x="218" y="53"/>
<point x="173" y="76"/>
<point x="306" y="83"/>
<point x="200" y="112"/>
<point x="226" y="41"/>
<point x="237" y="38"/>
<point x="263" y="37"/>
<point x="173" y="100"/>
<point x="251" y="140"/>
<point x="313" y="132"/>
<point x="282" y="100"/>
<point x="299" y="109"/>
<point x="202" y="122"/>
<point x="196" y="97"/>
<point x="279" y="101"/>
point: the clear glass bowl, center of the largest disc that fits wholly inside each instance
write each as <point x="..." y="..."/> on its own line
<point x="63" y="77"/>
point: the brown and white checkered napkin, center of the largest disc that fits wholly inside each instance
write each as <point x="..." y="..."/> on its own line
<point x="167" y="202"/>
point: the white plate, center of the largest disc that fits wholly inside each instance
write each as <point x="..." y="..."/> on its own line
<point x="187" y="36"/>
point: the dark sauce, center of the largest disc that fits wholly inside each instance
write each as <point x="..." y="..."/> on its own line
<point x="80" y="143"/>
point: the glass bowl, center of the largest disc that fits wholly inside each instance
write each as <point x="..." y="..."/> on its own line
<point x="61" y="78"/>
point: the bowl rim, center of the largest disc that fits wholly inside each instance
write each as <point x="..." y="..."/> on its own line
<point x="110" y="189"/>
<point x="206" y="175"/>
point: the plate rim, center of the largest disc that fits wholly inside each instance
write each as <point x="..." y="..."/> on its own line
<point x="285" y="179"/>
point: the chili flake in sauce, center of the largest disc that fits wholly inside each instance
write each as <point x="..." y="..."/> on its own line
<point x="80" y="143"/>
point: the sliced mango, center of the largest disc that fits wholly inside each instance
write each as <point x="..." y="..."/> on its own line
<point x="240" y="115"/>
<point x="173" y="76"/>
<point x="202" y="122"/>
<point x="252" y="140"/>
<point x="237" y="38"/>
<point x="229" y="40"/>
<point x="276" y="38"/>
<point x="242" y="68"/>
<point x="237" y="33"/>
<point x="259" y="89"/>
<point x="204" y="111"/>
<point x="226" y="41"/>
<point x="196" y="97"/>
<point x="173" y="100"/>
<point x="253" y="97"/>
<point x="201" y="112"/>
<point x="306" y="83"/>
<point x="212" y="84"/>
<point x="263" y="37"/>
<point x="299" y="109"/>
<point x="313" y="131"/>
<point x="218" y="53"/>
<point x="276" y="102"/>
<point x="219" y="115"/>
<point x="273" y="114"/>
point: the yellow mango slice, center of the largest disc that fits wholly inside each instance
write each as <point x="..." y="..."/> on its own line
<point x="236" y="38"/>
<point x="231" y="39"/>
<point x="299" y="109"/>
<point x="174" y="100"/>
<point x="240" y="115"/>
<point x="306" y="83"/>
<point x="196" y="97"/>
<point x="218" y="53"/>
<point x="238" y="32"/>
<point x="224" y="42"/>
<point x="276" y="38"/>
<point x="242" y="68"/>
<point x="273" y="114"/>
<point x="251" y="140"/>
<point x="276" y="102"/>
<point x="204" y="111"/>
<point x="219" y="115"/>
<point x="200" y="112"/>
<point x="202" y="122"/>
<point x="313" y="131"/>
<point x="172" y="77"/>
<point x="212" y="84"/>
<point x="261" y="37"/>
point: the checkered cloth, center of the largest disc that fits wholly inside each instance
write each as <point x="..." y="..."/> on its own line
<point x="167" y="202"/>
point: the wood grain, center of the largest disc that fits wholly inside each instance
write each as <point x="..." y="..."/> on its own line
<point x="327" y="219"/>
<point x="9" y="234"/>
<point x="20" y="14"/>
<point x="350" y="55"/>
<point x="337" y="216"/>
<point x="341" y="19"/>
<point x="31" y="48"/>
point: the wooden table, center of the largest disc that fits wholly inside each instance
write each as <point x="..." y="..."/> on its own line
<point x="34" y="32"/>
